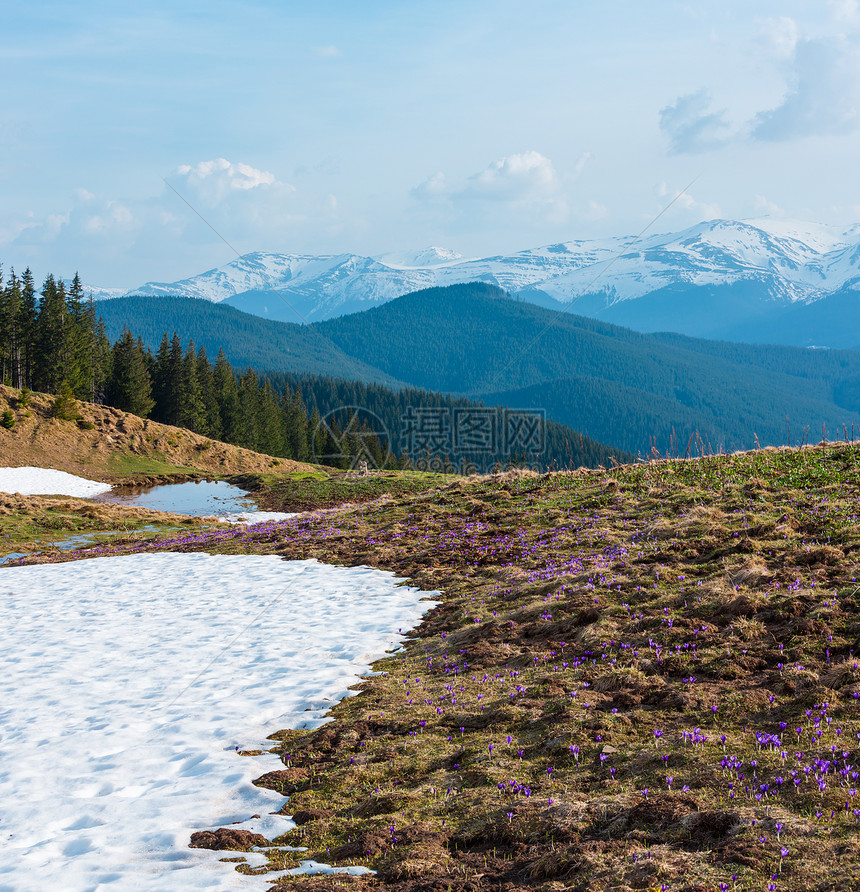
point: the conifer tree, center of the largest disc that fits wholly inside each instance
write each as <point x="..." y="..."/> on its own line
<point x="270" y="422"/>
<point x="65" y="406"/>
<point x="10" y="331"/>
<point x="248" y="433"/>
<point x="207" y="390"/>
<point x="295" y="425"/>
<point x="50" y="337"/>
<point x="131" y="388"/>
<point x="27" y="327"/>
<point x="227" y="397"/>
<point x="192" y="409"/>
<point x="167" y="380"/>
<point x="102" y="360"/>
<point x="79" y="335"/>
<point x="161" y="380"/>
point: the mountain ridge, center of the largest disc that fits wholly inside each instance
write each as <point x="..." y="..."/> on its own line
<point x="721" y="278"/>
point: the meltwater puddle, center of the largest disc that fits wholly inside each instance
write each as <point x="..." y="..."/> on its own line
<point x="224" y="501"/>
<point x="202" y="498"/>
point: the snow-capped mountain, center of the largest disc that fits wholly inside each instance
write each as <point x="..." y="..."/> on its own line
<point x="770" y="265"/>
<point x="298" y="287"/>
<point x="101" y="293"/>
<point x="431" y="256"/>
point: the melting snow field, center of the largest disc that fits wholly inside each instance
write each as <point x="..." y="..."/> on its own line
<point x="126" y="684"/>
<point x="46" y="482"/>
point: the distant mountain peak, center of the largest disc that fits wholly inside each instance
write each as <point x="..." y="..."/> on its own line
<point x="430" y="256"/>
<point x="781" y="262"/>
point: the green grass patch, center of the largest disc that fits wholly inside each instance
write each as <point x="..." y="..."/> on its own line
<point x="303" y="490"/>
<point x="127" y="464"/>
<point x="49" y="529"/>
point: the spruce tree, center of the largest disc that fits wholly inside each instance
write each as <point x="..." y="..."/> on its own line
<point x="10" y="331"/>
<point x="207" y="390"/>
<point x="78" y="341"/>
<point x="27" y="327"/>
<point x="50" y="345"/>
<point x="130" y="387"/>
<point x="65" y="406"/>
<point x="102" y="361"/>
<point x="192" y="409"/>
<point x="161" y="387"/>
<point x="248" y="434"/>
<point x="227" y="397"/>
<point x="295" y="425"/>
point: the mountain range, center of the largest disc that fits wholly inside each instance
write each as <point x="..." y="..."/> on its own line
<point x="760" y="281"/>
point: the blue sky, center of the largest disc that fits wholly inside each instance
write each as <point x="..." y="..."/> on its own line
<point x="485" y="127"/>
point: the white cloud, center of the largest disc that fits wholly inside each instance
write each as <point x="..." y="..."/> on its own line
<point x="327" y="52"/>
<point x="583" y="159"/>
<point x="42" y="232"/>
<point x="520" y="193"/>
<point x="524" y="183"/>
<point x="218" y="178"/>
<point x="691" y="126"/>
<point x="595" y="211"/>
<point x="250" y="208"/>
<point x="433" y="187"/>
<point x="699" y="210"/>
<point x="779" y="36"/>
<point x="523" y="177"/>
<point x="823" y="97"/>
<point x="845" y="10"/>
<point x="111" y="216"/>
<point x="764" y="206"/>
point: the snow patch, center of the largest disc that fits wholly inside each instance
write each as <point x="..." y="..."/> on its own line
<point x="431" y="256"/>
<point x="252" y="517"/>
<point x="127" y="685"/>
<point x="46" y="482"/>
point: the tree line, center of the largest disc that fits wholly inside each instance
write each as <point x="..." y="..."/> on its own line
<point x="53" y="341"/>
<point x="52" y="336"/>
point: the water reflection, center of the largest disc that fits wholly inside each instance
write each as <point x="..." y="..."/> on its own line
<point x="199" y="498"/>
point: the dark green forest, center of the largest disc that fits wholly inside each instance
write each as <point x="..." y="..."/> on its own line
<point x="248" y="341"/>
<point x="634" y="391"/>
<point x="631" y="390"/>
<point x="53" y="341"/>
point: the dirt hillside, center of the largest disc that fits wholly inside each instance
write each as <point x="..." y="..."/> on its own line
<point x="108" y="445"/>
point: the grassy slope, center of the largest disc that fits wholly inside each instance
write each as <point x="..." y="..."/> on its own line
<point x="118" y="448"/>
<point x="114" y="446"/>
<point x="329" y="488"/>
<point x="514" y="741"/>
<point x="30" y="524"/>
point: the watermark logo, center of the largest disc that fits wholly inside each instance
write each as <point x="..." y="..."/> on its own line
<point x="351" y="436"/>
<point x="473" y="432"/>
<point x="449" y="439"/>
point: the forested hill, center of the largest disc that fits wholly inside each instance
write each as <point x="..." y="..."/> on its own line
<point x="53" y="342"/>
<point x="247" y="341"/>
<point x="621" y="387"/>
<point x="618" y="386"/>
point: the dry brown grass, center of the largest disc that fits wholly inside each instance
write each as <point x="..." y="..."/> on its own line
<point x="109" y="435"/>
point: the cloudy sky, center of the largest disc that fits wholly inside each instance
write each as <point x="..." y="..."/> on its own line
<point x="130" y="135"/>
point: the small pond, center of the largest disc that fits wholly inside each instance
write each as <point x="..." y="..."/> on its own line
<point x="198" y="498"/>
<point x="202" y="498"/>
